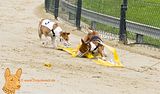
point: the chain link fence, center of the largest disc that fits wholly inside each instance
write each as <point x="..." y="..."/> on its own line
<point x="144" y="11"/>
<point x="49" y="5"/>
<point x="139" y="11"/>
<point x="69" y="16"/>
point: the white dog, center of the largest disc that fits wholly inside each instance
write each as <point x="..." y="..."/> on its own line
<point x="53" y="30"/>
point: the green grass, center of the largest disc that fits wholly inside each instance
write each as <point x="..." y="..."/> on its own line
<point x="151" y="41"/>
<point x="152" y="1"/>
<point x="142" y="11"/>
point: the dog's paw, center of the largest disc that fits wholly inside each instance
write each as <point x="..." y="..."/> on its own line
<point x="105" y="55"/>
<point x="67" y="46"/>
<point x="104" y="58"/>
<point x="44" y="43"/>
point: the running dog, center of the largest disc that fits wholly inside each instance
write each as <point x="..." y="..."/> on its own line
<point x="52" y="29"/>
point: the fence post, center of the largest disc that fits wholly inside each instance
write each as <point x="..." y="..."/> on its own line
<point x="46" y="2"/>
<point x="93" y="25"/>
<point x="123" y="33"/>
<point x="56" y="7"/>
<point x="78" y="14"/>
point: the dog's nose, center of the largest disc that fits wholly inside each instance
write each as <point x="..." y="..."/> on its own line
<point x="18" y="86"/>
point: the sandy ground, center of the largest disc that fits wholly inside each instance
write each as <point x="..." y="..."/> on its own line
<point x="20" y="47"/>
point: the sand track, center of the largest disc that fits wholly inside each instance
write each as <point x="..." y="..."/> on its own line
<point x="20" y="47"/>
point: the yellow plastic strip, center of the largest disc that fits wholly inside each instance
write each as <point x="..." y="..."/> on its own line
<point x="73" y="52"/>
<point x="106" y="63"/>
<point x="116" y="58"/>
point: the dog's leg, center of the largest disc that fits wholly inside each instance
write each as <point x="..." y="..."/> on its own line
<point x="45" y="41"/>
<point x="104" y="53"/>
<point x="101" y="52"/>
<point x="56" y="42"/>
<point x="42" y="41"/>
<point x="40" y="28"/>
<point x="40" y="33"/>
<point x="53" y="40"/>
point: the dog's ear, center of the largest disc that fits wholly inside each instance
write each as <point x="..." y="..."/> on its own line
<point x="82" y="41"/>
<point x="7" y="73"/>
<point x="19" y="72"/>
<point x="62" y="33"/>
<point x="95" y="33"/>
<point x="68" y="33"/>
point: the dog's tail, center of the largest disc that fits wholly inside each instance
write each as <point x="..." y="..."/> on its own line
<point x="39" y="28"/>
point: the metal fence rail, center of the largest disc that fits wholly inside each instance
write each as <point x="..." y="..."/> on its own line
<point x="134" y="27"/>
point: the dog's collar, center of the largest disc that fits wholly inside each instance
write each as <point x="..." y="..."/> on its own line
<point x="97" y="38"/>
<point x="53" y="33"/>
<point x="8" y="91"/>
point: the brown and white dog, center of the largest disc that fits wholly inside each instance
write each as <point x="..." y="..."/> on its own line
<point x="91" y="43"/>
<point x="12" y="81"/>
<point x="52" y="29"/>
